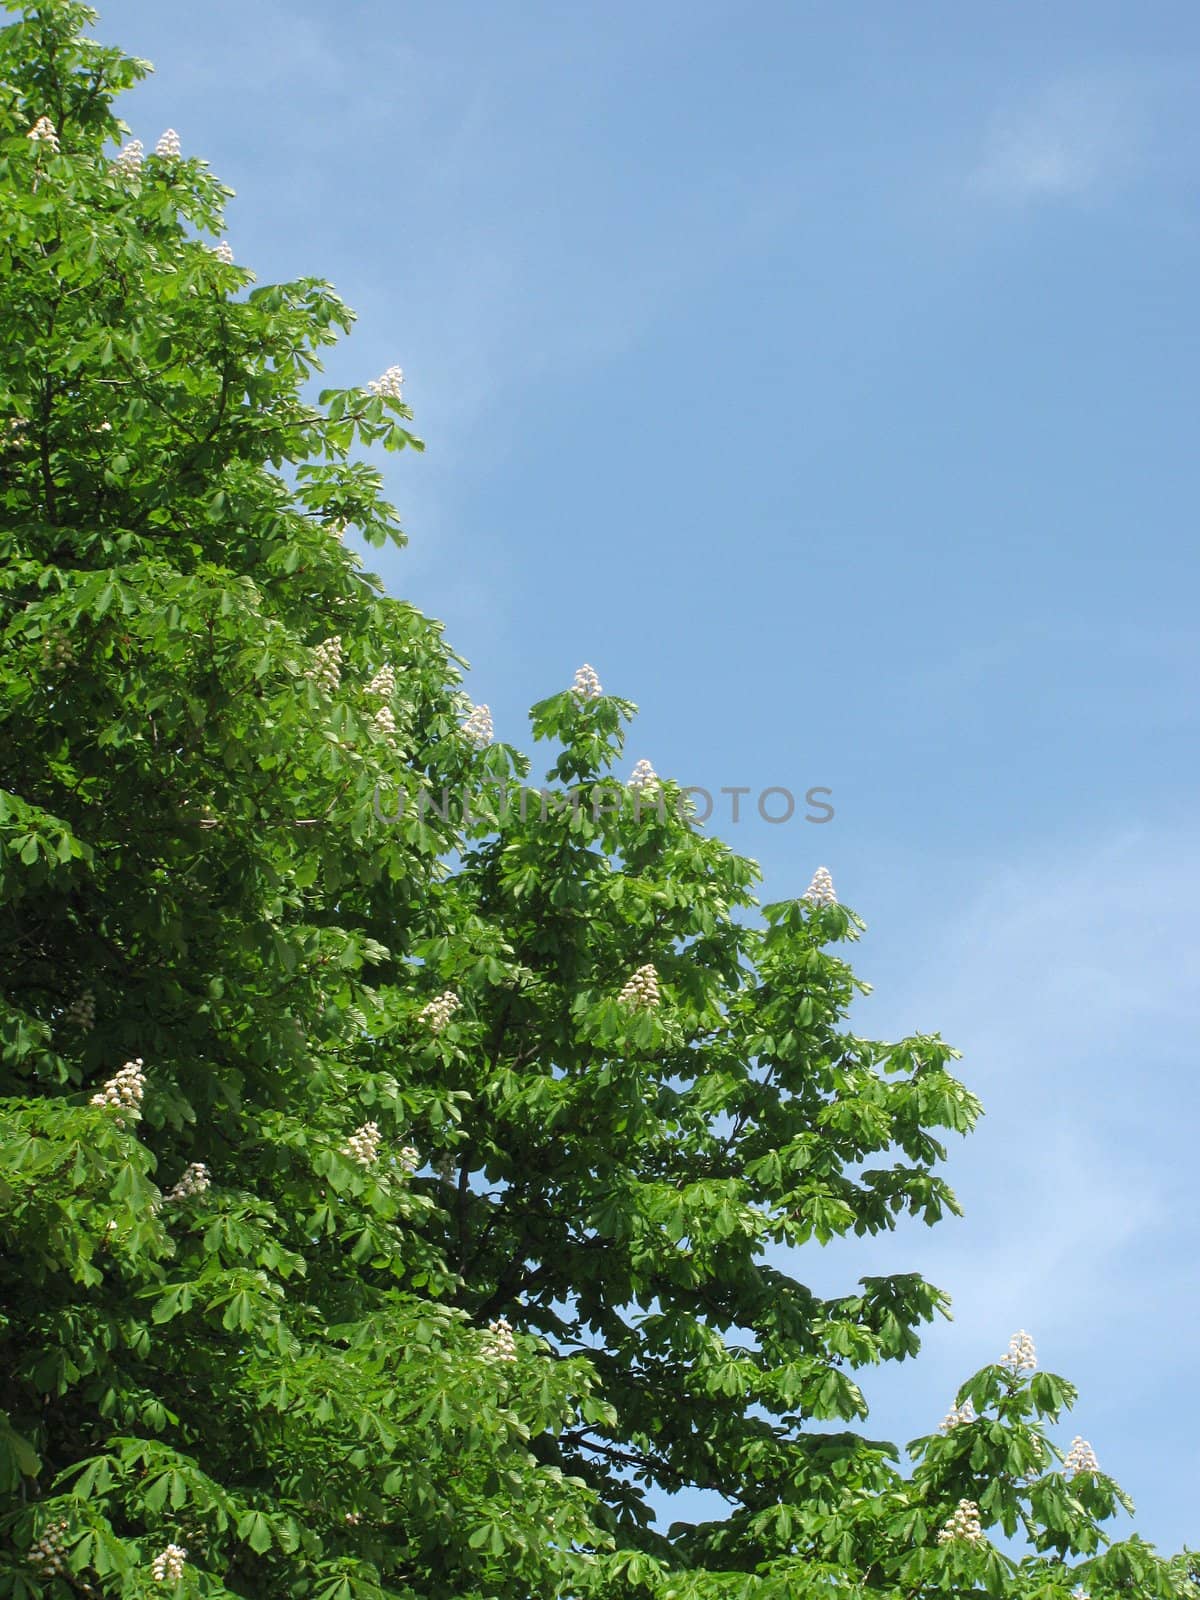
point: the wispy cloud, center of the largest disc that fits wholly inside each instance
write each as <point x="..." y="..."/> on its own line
<point x="1075" y="137"/>
<point x="1071" y="982"/>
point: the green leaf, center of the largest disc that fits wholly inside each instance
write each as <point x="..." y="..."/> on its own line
<point x="255" y="1530"/>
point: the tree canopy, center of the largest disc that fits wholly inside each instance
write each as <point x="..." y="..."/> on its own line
<point x="401" y="1165"/>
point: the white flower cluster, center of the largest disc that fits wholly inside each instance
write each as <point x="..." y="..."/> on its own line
<point x="353" y="1518"/>
<point x="501" y="1346"/>
<point x="168" y="1564"/>
<point x="195" y="1180"/>
<point x="224" y="253"/>
<point x="642" y="989"/>
<point x="820" y="890"/>
<point x="478" y="727"/>
<point x="587" y="684"/>
<point x="168" y="146"/>
<point x="124" y="1090"/>
<point x="1021" y="1357"/>
<point x="363" y="1144"/>
<point x="44" y="132"/>
<point x="81" y="1013"/>
<point x="643" y="776"/>
<point x="128" y="162"/>
<point x="385" y="724"/>
<point x="383" y="684"/>
<point x="1081" y="1457"/>
<point x="326" y="669"/>
<point x="964" y="1525"/>
<point x="48" y="1555"/>
<point x="409" y="1158"/>
<point x="439" y="1012"/>
<point x="390" y="385"/>
<point x="957" y="1416"/>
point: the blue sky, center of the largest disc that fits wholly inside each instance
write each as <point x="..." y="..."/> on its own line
<point x="828" y="378"/>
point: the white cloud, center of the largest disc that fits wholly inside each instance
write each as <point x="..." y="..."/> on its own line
<point x="1076" y="136"/>
<point x="1070" y="983"/>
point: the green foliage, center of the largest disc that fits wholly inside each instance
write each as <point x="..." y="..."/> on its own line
<point x="296" y="1365"/>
